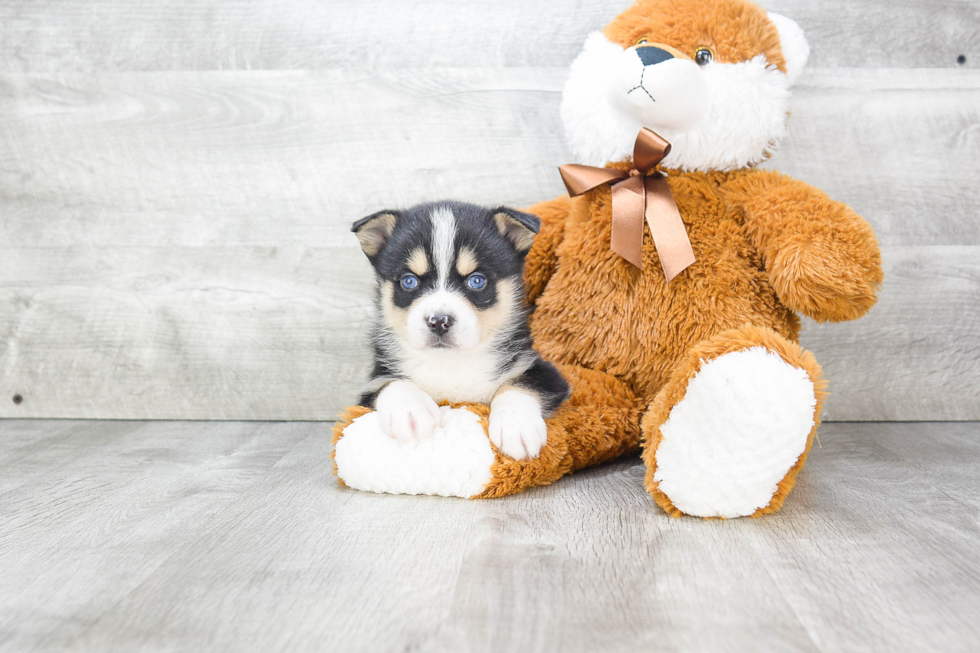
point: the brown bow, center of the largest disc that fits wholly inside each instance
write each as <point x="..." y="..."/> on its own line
<point x="635" y="194"/>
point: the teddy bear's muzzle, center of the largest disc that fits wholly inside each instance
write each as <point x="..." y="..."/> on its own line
<point x="666" y="87"/>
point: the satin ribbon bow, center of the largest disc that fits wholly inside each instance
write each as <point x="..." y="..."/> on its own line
<point x="636" y="194"/>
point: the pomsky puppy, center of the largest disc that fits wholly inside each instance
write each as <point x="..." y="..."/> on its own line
<point x="451" y="323"/>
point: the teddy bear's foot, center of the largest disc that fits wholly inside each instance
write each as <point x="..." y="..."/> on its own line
<point x="455" y="461"/>
<point x="729" y="432"/>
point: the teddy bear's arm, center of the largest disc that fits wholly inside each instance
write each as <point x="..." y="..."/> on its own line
<point x="541" y="261"/>
<point x="822" y="257"/>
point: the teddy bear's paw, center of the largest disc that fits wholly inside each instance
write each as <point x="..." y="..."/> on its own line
<point x="744" y="421"/>
<point x="517" y="427"/>
<point x="406" y="412"/>
<point x="454" y="461"/>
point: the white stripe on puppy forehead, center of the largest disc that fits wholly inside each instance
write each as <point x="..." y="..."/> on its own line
<point x="443" y="242"/>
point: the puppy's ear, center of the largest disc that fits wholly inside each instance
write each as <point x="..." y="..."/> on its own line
<point x="375" y="230"/>
<point x="517" y="227"/>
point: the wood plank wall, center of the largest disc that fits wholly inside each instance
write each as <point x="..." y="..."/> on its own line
<point x="177" y="180"/>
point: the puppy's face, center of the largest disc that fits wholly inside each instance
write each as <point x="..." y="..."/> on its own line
<point x="449" y="273"/>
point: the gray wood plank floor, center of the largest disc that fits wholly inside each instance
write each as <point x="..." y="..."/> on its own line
<point x="192" y="536"/>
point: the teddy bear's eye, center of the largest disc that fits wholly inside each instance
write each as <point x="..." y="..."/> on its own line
<point x="703" y="57"/>
<point x="641" y="41"/>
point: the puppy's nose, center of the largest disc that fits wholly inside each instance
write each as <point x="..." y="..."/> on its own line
<point x="651" y="55"/>
<point x="439" y="324"/>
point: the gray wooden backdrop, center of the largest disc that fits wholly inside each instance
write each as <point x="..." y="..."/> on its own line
<point x="177" y="179"/>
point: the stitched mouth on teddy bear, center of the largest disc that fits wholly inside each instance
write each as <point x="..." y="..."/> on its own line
<point x="665" y="91"/>
<point x="641" y="88"/>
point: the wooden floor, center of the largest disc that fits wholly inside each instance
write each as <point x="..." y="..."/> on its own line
<point x="194" y="536"/>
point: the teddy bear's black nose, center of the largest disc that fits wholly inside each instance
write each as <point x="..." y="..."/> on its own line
<point x="651" y="55"/>
<point x="439" y="324"/>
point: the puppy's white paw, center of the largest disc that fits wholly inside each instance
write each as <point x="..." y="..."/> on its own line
<point x="517" y="427"/>
<point x="406" y="412"/>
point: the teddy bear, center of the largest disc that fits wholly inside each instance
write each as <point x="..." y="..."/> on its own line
<point x="678" y="333"/>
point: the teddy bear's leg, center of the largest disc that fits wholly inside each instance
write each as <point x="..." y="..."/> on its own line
<point x="729" y="432"/>
<point x="599" y="422"/>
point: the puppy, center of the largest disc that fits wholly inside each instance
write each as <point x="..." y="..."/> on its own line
<point x="451" y="323"/>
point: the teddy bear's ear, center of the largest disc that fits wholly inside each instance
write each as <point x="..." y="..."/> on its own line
<point x="796" y="50"/>
<point x="517" y="227"/>
<point x="374" y="231"/>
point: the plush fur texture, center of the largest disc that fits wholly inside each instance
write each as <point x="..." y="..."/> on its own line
<point x="768" y="247"/>
<point x="455" y="461"/>
<point x="753" y="447"/>
<point x="743" y="422"/>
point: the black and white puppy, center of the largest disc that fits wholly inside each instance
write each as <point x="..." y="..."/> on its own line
<point x="451" y="323"/>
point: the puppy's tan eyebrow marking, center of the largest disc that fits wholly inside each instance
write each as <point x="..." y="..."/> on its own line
<point x="418" y="262"/>
<point x="466" y="262"/>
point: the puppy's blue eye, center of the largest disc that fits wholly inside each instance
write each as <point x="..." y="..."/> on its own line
<point x="410" y="282"/>
<point x="476" y="281"/>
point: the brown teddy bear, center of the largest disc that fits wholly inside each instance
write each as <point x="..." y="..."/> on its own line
<point x="694" y="363"/>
